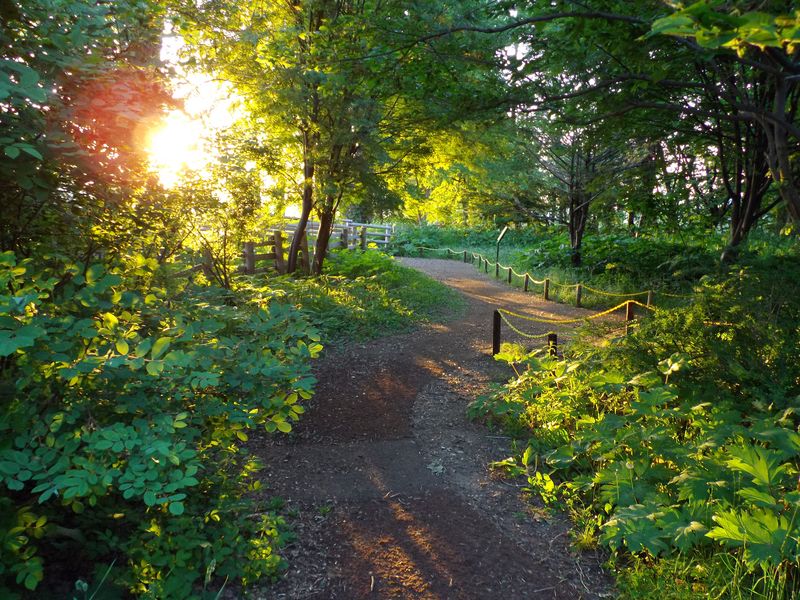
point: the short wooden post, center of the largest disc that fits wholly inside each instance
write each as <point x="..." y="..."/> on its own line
<point x="364" y="237"/>
<point x="496" y="323"/>
<point x="277" y="240"/>
<point x="650" y="298"/>
<point x="552" y="344"/>
<point x="465" y="256"/>
<point x="547" y="289"/>
<point x="497" y="270"/>
<point x="527" y="280"/>
<point x="249" y="255"/>
<point x="509" y="274"/>
<point x="344" y="243"/>
<point x="578" y="294"/>
<point x="629" y="316"/>
<point x="486" y="265"/>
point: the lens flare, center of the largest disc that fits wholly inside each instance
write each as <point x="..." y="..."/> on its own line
<point x="176" y="148"/>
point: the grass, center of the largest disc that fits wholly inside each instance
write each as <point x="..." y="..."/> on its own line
<point x="365" y="295"/>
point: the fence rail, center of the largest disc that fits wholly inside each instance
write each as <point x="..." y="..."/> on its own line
<point x="346" y="234"/>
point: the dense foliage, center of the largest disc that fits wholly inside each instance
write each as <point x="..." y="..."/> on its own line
<point x="678" y="441"/>
<point x="124" y="401"/>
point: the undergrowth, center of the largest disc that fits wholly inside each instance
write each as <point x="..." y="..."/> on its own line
<point x="677" y="447"/>
<point x="363" y="295"/>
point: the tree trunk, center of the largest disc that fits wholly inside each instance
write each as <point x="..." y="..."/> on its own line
<point x="308" y="204"/>
<point x="323" y="237"/>
<point x="780" y="151"/>
<point x="578" y="214"/>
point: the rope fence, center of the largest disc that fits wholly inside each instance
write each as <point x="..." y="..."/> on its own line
<point x="548" y="285"/>
<point x="502" y="315"/>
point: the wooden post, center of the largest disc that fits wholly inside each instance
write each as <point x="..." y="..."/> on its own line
<point x="527" y="280"/>
<point x="363" y="237"/>
<point x="547" y="289"/>
<point x="497" y="270"/>
<point x="280" y="265"/>
<point x="552" y="344"/>
<point x="578" y="294"/>
<point x="486" y="265"/>
<point x="509" y="274"/>
<point x="249" y="255"/>
<point x="496" y="322"/>
<point x="650" y="298"/>
<point x="344" y="243"/>
<point x="629" y="316"/>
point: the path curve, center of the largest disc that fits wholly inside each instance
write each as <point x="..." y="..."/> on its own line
<point x="390" y="481"/>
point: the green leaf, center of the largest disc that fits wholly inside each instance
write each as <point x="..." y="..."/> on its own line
<point x="122" y="346"/>
<point x="160" y="346"/>
<point x="176" y="508"/>
<point x="762" y="464"/>
<point x="155" y="367"/>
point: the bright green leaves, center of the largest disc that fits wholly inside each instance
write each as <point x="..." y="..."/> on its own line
<point x="159" y="347"/>
<point x="87" y="429"/>
<point x="766" y="537"/>
<point x="714" y="29"/>
<point x="762" y="464"/>
<point x="671" y="460"/>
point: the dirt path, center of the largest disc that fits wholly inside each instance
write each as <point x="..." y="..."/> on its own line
<point x="390" y="481"/>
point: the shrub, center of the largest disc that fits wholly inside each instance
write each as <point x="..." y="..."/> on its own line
<point x="682" y="439"/>
<point x="123" y="405"/>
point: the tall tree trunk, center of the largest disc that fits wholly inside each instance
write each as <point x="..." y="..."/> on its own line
<point x="308" y="204"/>
<point x="578" y="214"/>
<point x="780" y="150"/>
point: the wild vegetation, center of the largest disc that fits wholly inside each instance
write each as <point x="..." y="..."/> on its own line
<point x="646" y="145"/>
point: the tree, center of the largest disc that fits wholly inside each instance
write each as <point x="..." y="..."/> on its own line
<point x="337" y="87"/>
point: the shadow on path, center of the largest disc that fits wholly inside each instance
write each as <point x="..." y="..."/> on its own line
<point x="390" y="479"/>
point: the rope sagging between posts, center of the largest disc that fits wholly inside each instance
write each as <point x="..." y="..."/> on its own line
<point x="578" y="320"/>
<point x="511" y="326"/>
<point x="489" y="263"/>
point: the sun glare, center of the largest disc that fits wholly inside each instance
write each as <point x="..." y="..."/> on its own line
<point x="175" y="147"/>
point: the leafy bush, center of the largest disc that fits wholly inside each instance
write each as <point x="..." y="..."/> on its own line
<point x="122" y="407"/>
<point x="682" y="439"/>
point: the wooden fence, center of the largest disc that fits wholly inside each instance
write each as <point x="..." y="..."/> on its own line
<point x="345" y="234"/>
<point x="271" y="253"/>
